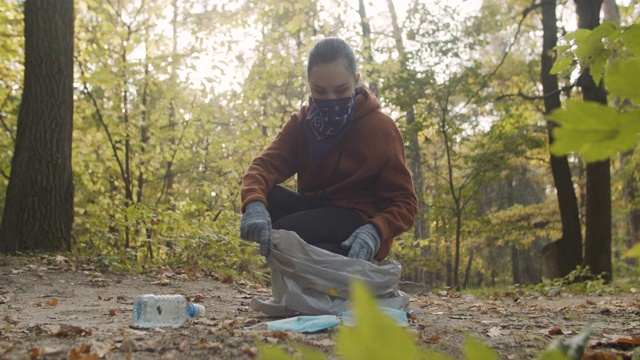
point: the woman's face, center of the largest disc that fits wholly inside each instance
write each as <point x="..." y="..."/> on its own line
<point x="332" y="81"/>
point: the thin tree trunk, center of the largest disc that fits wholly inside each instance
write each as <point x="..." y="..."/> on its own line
<point x="598" y="216"/>
<point x="414" y="158"/>
<point x="515" y="265"/>
<point x="368" y="51"/>
<point x="467" y="273"/>
<point x="568" y="249"/>
<point x="38" y="212"/>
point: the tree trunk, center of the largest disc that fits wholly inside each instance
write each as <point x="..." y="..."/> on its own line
<point x="515" y="265"/>
<point x="568" y="249"/>
<point x="630" y="196"/>
<point x="366" y="41"/>
<point x="598" y="216"/>
<point x="38" y="212"/>
<point x="414" y="158"/>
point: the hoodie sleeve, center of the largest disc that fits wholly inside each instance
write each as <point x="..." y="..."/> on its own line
<point x="276" y="163"/>
<point x="395" y="190"/>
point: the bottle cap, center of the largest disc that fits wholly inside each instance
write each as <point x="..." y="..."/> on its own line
<point x="198" y="310"/>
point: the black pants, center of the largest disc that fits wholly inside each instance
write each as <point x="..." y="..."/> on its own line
<point x="324" y="227"/>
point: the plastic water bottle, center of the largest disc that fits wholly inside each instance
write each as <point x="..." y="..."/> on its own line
<point x="163" y="311"/>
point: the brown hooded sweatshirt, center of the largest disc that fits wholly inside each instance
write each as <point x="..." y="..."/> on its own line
<point x="371" y="176"/>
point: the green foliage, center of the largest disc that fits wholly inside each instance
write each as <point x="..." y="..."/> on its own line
<point x="594" y="130"/>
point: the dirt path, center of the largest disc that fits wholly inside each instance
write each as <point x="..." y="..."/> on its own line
<point x="52" y="309"/>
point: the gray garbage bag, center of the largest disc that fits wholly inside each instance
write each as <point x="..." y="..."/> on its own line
<point x="307" y="280"/>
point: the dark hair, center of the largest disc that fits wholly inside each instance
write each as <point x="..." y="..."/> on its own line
<point x="330" y="49"/>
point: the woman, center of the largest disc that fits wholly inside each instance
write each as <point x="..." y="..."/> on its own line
<point x="355" y="193"/>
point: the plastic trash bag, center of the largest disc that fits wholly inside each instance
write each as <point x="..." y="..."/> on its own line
<point x="307" y="280"/>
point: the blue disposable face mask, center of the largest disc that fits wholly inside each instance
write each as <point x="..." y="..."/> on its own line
<point x="311" y="324"/>
<point x="305" y="324"/>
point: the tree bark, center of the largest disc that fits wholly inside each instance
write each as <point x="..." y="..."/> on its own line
<point x="568" y="249"/>
<point x="414" y="157"/>
<point x="38" y="212"/>
<point x="366" y="41"/>
<point x="598" y="209"/>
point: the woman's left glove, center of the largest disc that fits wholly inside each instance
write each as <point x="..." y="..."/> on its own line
<point x="255" y="225"/>
<point x="364" y="243"/>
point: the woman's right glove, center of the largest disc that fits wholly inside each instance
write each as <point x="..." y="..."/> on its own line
<point x="255" y="225"/>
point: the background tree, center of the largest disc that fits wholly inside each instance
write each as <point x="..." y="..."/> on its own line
<point x="598" y="188"/>
<point x="38" y="213"/>
<point x="565" y="254"/>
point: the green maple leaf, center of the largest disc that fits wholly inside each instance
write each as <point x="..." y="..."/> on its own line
<point x="594" y="130"/>
<point x="622" y="79"/>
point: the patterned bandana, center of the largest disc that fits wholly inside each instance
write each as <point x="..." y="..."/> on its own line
<point x="327" y="123"/>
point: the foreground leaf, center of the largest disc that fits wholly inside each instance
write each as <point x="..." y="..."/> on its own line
<point x="621" y="82"/>
<point x="373" y="333"/>
<point x="594" y="130"/>
<point x="475" y="350"/>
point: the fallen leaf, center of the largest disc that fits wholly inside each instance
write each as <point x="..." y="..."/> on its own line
<point x="635" y="340"/>
<point x="70" y="330"/>
<point x="495" y="332"/>
<point x="118" y="280"/>
<point x="112" y="312"/>
<point x="279" y="334"/>
<point x="211" y="345"/>
<point x="10" y="320"/>
<point x="101" y="348"/>
<point x="432" y="339"/>
<point x="250" y="351"/>
<point x="227" y="279"/>
<point x="100" y="282"/>
<point x="78" y="354"/>
<point x="52" y="302"/>
<point x="184" y="346"/>
<point x="555" y="331"/>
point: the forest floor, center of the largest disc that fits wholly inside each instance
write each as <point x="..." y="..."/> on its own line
<point x="52" y="308"/>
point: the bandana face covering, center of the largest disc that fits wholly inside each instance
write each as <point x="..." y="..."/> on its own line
<point x="327" y="123"/>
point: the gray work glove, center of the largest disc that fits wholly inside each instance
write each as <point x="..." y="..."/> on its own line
<point x="364" y="243"/>
<point x="255" y="225"/>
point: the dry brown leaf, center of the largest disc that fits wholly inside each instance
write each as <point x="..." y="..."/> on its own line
<point x="78" y="354"/>
<point x="161" y="282"/>
<point x="432" y="339"/>
<point x="8" y="319"/>
<point x="52" y="302"/>
<point x="227" y="279"/>
<point x="279" y="334"/>
<point x="635" y="341"/>
<point x="555" y="331"/>
<point x="99" y="282"/>
<point x="118" y="280"/>
<point x="198" y="298"/>
<point x="112" y="312"/>
<point x="211" y="345"/>
<point x="70" y="330"/>
<point x="34" y="353"/>
<point x="250" y="351"/>
<point x="184" y="345"/>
